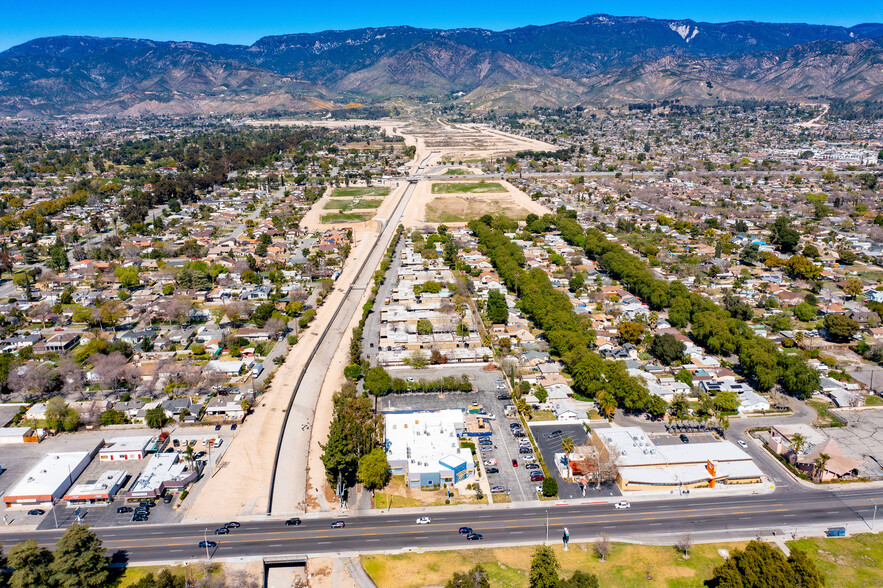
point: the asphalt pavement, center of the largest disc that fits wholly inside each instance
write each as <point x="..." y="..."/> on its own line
<point x="743" y="516"/>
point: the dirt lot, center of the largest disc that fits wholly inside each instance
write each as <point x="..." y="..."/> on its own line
<point x="429" y="207"/>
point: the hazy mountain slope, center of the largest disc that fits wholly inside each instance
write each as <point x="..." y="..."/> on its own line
<point x="598" y="58"/>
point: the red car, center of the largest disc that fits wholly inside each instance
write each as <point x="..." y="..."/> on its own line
<point x="514" y="463"/>
<point x="537" y="477"/>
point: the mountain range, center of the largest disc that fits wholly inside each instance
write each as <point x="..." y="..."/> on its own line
<point x="599" y="59"/>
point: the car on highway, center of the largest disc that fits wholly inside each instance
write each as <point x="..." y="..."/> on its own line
<point x="498" y="490"/>
<point x="514" y="463"/>
<point x="474" y="537"/>
<point x="424" y="521"/>
<point x="232" y="525"/>
<point x="622" y="504"/>
<point x="36" y="511"/>
<point x="292" y="522"/>
<point x="465" y="530"/>
<point x="208" y="544"/>
<point x="123" y="509"/>
<point x="222" y="531"/>
<point x="338" y="525"/>
<point x="742" y="444"/>
<point x="553" y="434"/>
<point x="531" y="466"/>
<point x="493" y="470"/>
<point x="537" y="477"/>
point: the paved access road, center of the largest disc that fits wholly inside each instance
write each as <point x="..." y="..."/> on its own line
<point x="742" y="516"/>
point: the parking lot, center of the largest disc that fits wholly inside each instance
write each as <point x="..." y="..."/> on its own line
<point x="548" y="437"/>
<point x="504" y="444"/>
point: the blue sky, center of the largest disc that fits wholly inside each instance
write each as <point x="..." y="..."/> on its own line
<point x="245" y="21"/>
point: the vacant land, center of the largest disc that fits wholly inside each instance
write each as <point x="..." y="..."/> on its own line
<point x="345" y="217"/>
<point x="380" y="191"/>
<point x="458" y="172"/>
<point x="350" y="204"/>
<point x="856" y="561"/>
<point x="467" y="188"/>
<point x="627" y="565"/>
<point x="400" y="496"/>
<point x="463" y="209"/>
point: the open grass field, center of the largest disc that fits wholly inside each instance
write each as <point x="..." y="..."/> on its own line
<point x="458" y="172"/>
<point x="350" y="204"/>
<point x="345" y="217"/>
<point x="132" y="575"/>
<point x="846" y="562"/>
<point x="467" y="187"/>
<point x="379" y="191"/>
<point x="456" y="209"/>
<point x="627" y="566"/>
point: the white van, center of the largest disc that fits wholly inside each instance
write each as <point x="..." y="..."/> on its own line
<point x="217" y="442"/>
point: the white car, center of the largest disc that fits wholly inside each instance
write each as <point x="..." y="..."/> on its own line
<point x="528" y="458"/>
<point x="742" y="443"/>
<point x="489" y="417"/>
<point x="424" y="521"/>
<point x="622" y="504"/>
<point x="490" y="462"/>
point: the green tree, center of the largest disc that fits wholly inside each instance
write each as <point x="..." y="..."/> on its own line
<point x="783" y="235"/>
<point x="78" y="559"/>
<point x="352" y="371"/>
<point x="424" y="326"/>
<point x="59" y="416"/>
<point x="852" y="288"/>
<point x="685" y="376"/>
<point x="58" y="256"/>
<point x="550" y="487"/>
<point x="840" y="327"/>
<point x="763" y="566"/>
<point x="667" y="349"/>
<point x="474" y="578"/>
<point x="497" y="311"/>
<point x="378" y="381"/>
<point x="128" y="276"/>
<point x="373" y="470"/>
<point x="31" y="564"/>
<point x="606" y="404"/>
<point x="156" y="418"/>
<point x="630" y="332"/>
<point x="580" y="579"/>
<point x="543" y="568"/>
<point x="805" y="312"/>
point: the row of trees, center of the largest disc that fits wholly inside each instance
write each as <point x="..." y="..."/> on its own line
<point x="569" y="334"/>
<point x="713" y="327"/>
<point x="356" y="432"/>
<point x="78" y="561"/>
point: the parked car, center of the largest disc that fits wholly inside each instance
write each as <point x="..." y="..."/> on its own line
<point x="474" y="537"/>
<point x="525" y="450"/>
<point x="490" y="462"/>
<point x="493" y="470"/>
<point x="147" y="503"/>
<point x="233" y="427"/>
<point x="222" y="531"/>
<point x="503" y="397"/>
<point x="514" y="426"/>
<point x="465" y="530"/>
<point x="36" y="511"/>
<point x="338" y="525"/>
<point x="139" y="518"/>
<point x="123" y="509"/>
<point x="424" y="521"/>
<point x="531" y="466"/>
<point x="167" y="498"/>
<point x="537" y="477"/>
<point x="514" y="463"/>
<point x="498" y="490"/>
<point x="176" y="443"/>
<point x="209" y="544"/>
<point x="217" y="427"/>
<point x="622" y="504"/>
<point x="292" y="522"/>
<point x="553" y="434"/>
<point x="518" y="433"/>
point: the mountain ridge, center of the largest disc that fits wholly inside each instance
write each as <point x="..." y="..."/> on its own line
<point x="596" y="59"/>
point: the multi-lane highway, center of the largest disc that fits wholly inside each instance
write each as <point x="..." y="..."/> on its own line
<point x="734" y="516"/>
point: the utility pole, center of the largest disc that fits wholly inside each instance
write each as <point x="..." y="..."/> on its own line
<point x="205" y="542"/>
<point x="874" y="520"/>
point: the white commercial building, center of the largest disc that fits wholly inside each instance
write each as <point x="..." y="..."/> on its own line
<point x="641" y="464"/>
<point x="162" y="472"/>
<point x="50" y="478"/>
<point x="102" y="489"/>
<point x="425" y="447"/>
<point x="125" y="448"/>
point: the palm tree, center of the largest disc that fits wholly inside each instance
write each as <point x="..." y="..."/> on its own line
<point x="798" y="442"/>
<point x="567" y="446"/>
<point x="606" y="404"/>
<point x="820" y="463"/>
<point x="723" y="421"/>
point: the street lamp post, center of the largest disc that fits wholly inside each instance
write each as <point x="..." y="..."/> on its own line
<point x="874" y="520"/>
<point x="547" y="526"/>
<point x="205" y="542"/>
